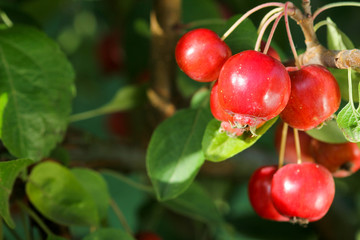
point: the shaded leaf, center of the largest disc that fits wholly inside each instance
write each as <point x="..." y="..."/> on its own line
<point x="348" y="121"/>
<point x="336" y="39"/>
<point x="243" y="37"/>
<point x="96" y="186"/>
<point x="218" y="146"/>
<point x="57" y="194"/>
<point x="109" y="234"/>
<point x="329" y="132"/>
<point x="36" y="90"/>
<point x="174" y="154"/>
<point x="195" y="203"/>
<point x="8" y="173"/>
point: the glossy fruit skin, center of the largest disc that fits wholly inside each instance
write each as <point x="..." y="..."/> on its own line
<point x="271" y="51"/>
<point x="200" y="53"/>
<point x="147" y="236"/>
<point x="341" y="159"/>
<point x="259" y="192"/>
<point x="304" y="192"/>
<point x="253" y="87"/>
<point x="315" y="96"/>
<point x="290" y="150"/>
<point x="216" y="109"/>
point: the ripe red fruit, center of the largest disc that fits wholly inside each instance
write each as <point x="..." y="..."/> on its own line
<point x="110" y="53"/>
<point x="271" y="51"/>
<point x="259" y="191"/>
<point x="315" y="96"/>
<point x="341" y="159"/>
<point x="147" y="236"/>
<point x="200" y="53"/>
<point x="290" y="150"/>
<point x="303" y="192"/>
<point x="253" y="87"/>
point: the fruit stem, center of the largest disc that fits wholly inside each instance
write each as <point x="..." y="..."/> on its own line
<point x="333" y="5"/>
<point x="297" y="145"/>
<point x="323" y="23"/>
<point x="276" y="16"/>
<point x="283" y="144"/>
<point x="267" y="45"/>
<point x="120" y="216"/>
<point x="291" y="42"/>
<point x="268" y="15"/>
<point x="247" y="14"/>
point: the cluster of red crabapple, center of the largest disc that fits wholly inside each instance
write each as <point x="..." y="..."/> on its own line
<point x="250" y="88"/>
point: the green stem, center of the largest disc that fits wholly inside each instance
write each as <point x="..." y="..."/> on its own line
<point x="297" y="145"/>
<point x="333" y="5"/>
<point x="323" y="23"/>
<point x="36" y="218"/>
<point x="351" y="100"/>
<point x="120" y="216"/>
<point x="283" y="144"/>
<point x="6" y="19"/>
<point x="89" y="114"/>
<point x="128" y="181"/>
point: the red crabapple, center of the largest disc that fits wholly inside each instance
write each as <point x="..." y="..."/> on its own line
<point x="315" y="96"/>
<point x="253" y="87"/>
<point x="259" y="191"/>
<point x="200" y="53"/>
<point x="341" y="159"/>
<point x="303" y="192"/>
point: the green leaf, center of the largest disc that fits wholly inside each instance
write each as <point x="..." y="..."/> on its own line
<point x="126" y="98"/>
<point x="195" y="203"/>
<point x="96" y="186"/>
<point x="336" y="39"/>
<point x="109" y="234"/>
<point x="201" y="99"/>
<point x="243" y="37"/>
<point x="8" y="173"/>
<point x="329" y="132"/>
<point x="57" y="194"/>
<point x="341" y="76"/>
<point x="37" y="83"/>
<point x="218" y="146"/>
<point x="174" y="154"/>
<point x="349" y="123"/>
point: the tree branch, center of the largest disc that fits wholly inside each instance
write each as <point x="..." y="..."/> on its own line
<point x="164" y="18"/>
<point x="315" y="52"/>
